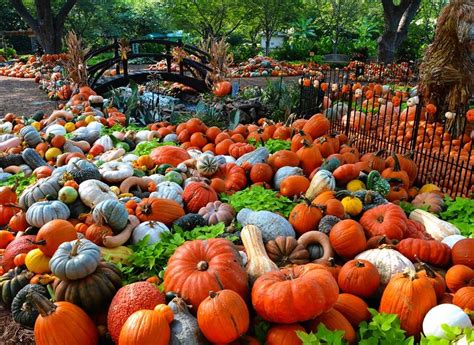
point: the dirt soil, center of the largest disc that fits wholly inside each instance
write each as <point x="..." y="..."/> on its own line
<point x="23" y="97"/>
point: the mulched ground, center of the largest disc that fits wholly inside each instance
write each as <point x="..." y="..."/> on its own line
<point x="22" y="97"/>
<point x="11" y="333"/>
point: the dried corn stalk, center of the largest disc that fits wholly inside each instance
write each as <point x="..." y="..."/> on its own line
<point x="220" y="58"/>
<point x="75" y="65"/>
<point x="124" y="48"/>
<point x="446" y="73"/>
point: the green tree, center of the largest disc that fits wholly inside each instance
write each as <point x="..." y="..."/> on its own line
<point x="273" y="15"/>
<point x="46" y="23"/>
<point x="207" y="18"/>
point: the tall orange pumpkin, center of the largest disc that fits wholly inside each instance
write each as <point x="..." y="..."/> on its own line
<point x="200" y="266"/>
<point x="310" y="157"/>
<point x="305" y="217"/>
<point x="410" y="296"/>
<point x="223" y="316"/>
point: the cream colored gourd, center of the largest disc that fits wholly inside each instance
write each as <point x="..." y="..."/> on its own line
<point x="437" y="228"/>
<point x="449" y="314"/>
<point x="116" y="172"/>
<point x="322" y="181"/>
<point x="258" y="261"/>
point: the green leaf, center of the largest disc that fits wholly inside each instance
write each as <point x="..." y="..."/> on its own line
<point x="322" y="336"/>
<point x="258" y="199"/>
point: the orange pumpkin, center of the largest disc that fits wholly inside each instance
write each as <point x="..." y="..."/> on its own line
<point x="410" y="296"/>
<point x="334" y="320"/>
<point x="388" y="219"/>
<point x="223" y="316"/>
<point x="284" y="335"/>
<point x="197" y="195"/>
<point x="347" y="238"/>
<point x="359" y="277"/>
<point x="261" y="172"/>
<point x="305" y="217"/>
<point x="169" y="154"/>
<point x="459" y="276"/>
<point x="294" y="186"/>
<point x="294" y="294"/>
<point x="52" y="234"/>
<point x="317" y="126"/>
<point x="161" y="210"/>
<point x="354" y="308"/>
<point x="310" y="157"/>
<point x="283" y="158"/>
<point x="222" y="88"/>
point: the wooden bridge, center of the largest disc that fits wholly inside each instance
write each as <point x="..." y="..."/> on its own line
<point x="192" y="68"/>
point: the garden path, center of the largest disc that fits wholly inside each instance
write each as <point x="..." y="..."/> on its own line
<point x="22" y="97"/>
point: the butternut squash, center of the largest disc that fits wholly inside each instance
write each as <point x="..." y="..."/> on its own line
<point x="124" y="236"/>
<point x="437" y="228"/>
<point x="258" y="261"/>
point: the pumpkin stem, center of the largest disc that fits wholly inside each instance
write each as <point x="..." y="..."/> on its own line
<point x="408" y="273"/>
<point x="332" y="262"/>
<point x="38" y="243"/>
<point x="359" y="264"/>
<point x="428" y="269"/>
<point x="212" y="294"/>
<point x="202" y="265"/>
<point x="379" y="152"/>
<point x="396" y="166"/>
<point x="44" y="305"/>
<point x="75" y="248"/>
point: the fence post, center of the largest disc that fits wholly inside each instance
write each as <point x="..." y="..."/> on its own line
<point x="416" y="124"/>
<point x="116" y="56"/>
<point x="349" y="110"/>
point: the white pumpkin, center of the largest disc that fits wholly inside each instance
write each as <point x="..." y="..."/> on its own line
<point x="106" y="142"/>
<point x="43" y="212"/>
<point x="152" y="229"/>
<point x="449" y="314"/>
<point x="207" y="165"/>
<point x="452" y="240"/>
<point x="194" y="153"/>
<point x="228" y="159"/>
<point x="170" y="138"/>
<point x="388" y="262"/>
<point x="95" y="126"/>
<point x="55" y="130"/>
<point x="115" y="172"/>
<point x="129" y="157"/>
<point x="157" y="178"/>
<point x="92" y="192"/>
<point x="169" y="190"/>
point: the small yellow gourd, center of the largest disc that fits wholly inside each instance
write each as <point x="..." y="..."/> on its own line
<point x="37" y="262"/>
<point x="355" y="185"/>
<point x="352" y="205"/>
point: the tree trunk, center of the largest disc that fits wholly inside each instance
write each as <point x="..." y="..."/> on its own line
<point x="397" y="19"/>
<point x="47" y="27"/>
<point x="268" y="38"/>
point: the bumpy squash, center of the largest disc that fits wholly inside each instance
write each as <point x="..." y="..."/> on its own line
<point x="23" y="311"/>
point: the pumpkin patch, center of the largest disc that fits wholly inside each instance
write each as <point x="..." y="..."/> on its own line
<point x="187" y="231"/>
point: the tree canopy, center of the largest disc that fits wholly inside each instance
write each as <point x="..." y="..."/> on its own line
<point x="391" y="29"/>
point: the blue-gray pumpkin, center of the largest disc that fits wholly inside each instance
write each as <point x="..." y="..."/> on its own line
<point x="111" y="212"/>
<point x="270" y="224"/>
<point x="75" y="260"/>
<point x="43" y="212"/>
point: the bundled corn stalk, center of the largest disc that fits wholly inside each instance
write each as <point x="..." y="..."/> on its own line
<point x="75" y="65"/>
<point x="447" y="70"/>
<point x="220" y="58"/>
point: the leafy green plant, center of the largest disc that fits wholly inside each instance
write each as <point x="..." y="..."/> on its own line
<point x="145" y="147"/>
<point x="460" y="212"/>
<point x="273" y="145"/>
<point x="20" y="181"/>
<point x="261" y="329"/>
<point x="408" y="207"/>
<point x="382" y="329"/>
<point x="452" y="334"/>
<point x="259" y="199"/>
<point x="150" y="260"/>
<point x="322" y="336"/>
<point x="280" y="98"/>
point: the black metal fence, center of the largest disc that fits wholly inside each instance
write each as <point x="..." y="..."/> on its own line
<point x="389" y="118"/>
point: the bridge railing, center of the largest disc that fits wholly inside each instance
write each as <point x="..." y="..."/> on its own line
<point x="195" y="65"/>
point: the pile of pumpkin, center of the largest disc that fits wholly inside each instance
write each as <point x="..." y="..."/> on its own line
<point x="32" y="68"/>
<point x="391" y="73"/>
<point x="344" y="246"/>
<point x="261" y="66"/>
<point x="379" y="112"/>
